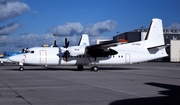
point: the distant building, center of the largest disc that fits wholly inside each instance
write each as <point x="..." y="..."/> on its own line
<point x="101" y="40"/>
<point x="169" y="35"/>
<point x="175" y="51"/>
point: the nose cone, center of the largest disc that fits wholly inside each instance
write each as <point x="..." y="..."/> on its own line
<point x="16" y="58"/>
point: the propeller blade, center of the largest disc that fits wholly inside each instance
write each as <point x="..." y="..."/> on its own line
<point x="55" y="45"/>
<point x="65" y="40"/>
<point x="66" y="43"/>
<point x="66" y="53"/>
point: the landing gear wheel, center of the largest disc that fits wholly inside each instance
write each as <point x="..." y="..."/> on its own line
<point x="21" y="68"/>
<point x="95" y="69"/>
<point x="2" y="64"/>
<point x="80" y="67"/>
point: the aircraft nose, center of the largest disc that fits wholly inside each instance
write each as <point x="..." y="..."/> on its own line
<point x="16" y="58"/>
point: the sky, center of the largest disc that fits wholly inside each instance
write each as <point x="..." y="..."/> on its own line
<point x="30" y="23"/>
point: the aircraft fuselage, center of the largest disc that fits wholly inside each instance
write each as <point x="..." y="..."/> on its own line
<point x="54" y="56"/>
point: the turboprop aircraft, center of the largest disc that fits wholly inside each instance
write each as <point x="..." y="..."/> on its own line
<point x="110" y="53"/>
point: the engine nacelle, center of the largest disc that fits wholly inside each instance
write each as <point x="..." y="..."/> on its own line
<point x="77" y="50"/>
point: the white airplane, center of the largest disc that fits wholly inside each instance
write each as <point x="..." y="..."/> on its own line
<point x="110" y="53"/>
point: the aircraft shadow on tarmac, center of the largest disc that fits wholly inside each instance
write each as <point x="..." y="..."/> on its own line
<point x="71" y="68"/>
<point x="172" y="97"/>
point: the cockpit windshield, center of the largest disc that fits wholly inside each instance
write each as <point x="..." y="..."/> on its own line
<point x="26" y="50"/>
<point x="29" y="51"/>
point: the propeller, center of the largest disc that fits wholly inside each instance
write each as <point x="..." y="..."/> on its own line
<point x="66" y="53"/>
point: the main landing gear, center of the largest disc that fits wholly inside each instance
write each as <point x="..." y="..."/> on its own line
<point x="80" y="67"/>
<point x="95" y="69"/>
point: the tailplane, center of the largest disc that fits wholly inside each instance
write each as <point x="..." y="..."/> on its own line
<point x="84" y="41"/>
<point x="155" y="36"/>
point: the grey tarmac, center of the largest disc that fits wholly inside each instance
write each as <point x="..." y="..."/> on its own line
<point x="148" y="83"/>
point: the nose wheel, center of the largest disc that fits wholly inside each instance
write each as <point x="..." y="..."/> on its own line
<point x="21" y="68"/>
<point x="2" y="64"/>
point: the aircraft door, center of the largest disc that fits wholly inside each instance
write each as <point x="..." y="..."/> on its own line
<point x="43" y="56"/>
<point x="127" y="58"/>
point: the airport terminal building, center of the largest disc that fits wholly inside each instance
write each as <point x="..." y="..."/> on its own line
<point x="171" y="36"/>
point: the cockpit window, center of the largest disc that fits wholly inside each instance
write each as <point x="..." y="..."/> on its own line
<point x="28" y="51"/>
<point x="24" y="50"/>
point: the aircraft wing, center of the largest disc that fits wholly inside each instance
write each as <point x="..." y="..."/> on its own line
<point x="105" y="44"/>
<point x="102" y="49"/>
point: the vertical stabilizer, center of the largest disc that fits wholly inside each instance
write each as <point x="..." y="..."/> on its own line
<point x="155" y="35"/>
<point x="84" y="41"/>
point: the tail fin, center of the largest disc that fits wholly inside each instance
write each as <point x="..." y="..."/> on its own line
<point x="155" y="35"/>
<point x="155" y="39"/>
<point x="84" y="41"/>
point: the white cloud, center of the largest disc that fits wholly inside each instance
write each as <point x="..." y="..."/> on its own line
<point x="174" y="26"/>
<point x="8" y="43"/>
<point x="10" y="28"/>
<point x="100" y="27"/>
<point x="4" y="40"/>
<point x="5" y="1"/>
<point x="30" y="40"/>
<point x="91" y="29"/>
<point x="72" y="31"/>
<point x="12" y="8"/>
<point x="69" y="29"/>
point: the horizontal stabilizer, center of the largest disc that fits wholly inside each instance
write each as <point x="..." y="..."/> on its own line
<point x="154" y="50"/>
<point x="160" y="47"/>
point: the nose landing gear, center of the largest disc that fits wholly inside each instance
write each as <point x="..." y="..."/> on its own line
<point x="21" y="68"/>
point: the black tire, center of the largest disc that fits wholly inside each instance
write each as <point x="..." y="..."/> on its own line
<point x="80" y="67"/>
<point x="95" y="69"/>
<point x="21" y="69"/>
